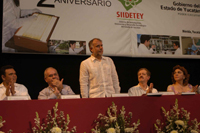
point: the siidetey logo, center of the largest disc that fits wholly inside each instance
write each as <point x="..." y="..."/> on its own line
<point x="128" y="4"/>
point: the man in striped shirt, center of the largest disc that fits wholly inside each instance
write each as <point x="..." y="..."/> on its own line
<point x="142" y="88"/>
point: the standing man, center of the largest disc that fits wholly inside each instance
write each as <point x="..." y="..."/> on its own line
<point x="9" y="87"/>
<point x="177" y="47"/>
<point x="144" y="45"/>
<point x="98" y="76"/>
<point x="142" y="87"/>
<point x="56" y="87"/>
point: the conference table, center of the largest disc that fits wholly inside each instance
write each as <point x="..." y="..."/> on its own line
<point x="19" y="115"/>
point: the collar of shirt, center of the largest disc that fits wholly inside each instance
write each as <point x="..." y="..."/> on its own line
<point x="94" y="58"/>
<point x="51" y="89"/>
<point x="1" y="85"/>
<point x="141" y="87"/>
<point x="71" y="49"/>
<point x="143" y="46"/>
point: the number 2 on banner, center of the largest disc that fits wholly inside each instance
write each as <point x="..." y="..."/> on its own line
<point x="40" y="4"/>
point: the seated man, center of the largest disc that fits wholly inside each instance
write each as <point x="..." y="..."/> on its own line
<point x="142" y="87"/>
<point x="9" y="87"/>
<point x="56" y="87"/>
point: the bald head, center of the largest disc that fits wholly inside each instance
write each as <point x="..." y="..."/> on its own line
<point x="49" y="74"/>
<point x="46" y="71"/>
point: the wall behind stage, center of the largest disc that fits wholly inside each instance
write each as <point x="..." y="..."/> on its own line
<point x="30" y="68"/>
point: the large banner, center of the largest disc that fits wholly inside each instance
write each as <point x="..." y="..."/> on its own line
<point x="134" y="28"/>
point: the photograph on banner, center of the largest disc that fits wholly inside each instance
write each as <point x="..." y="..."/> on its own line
<point x="67" y="47"/>
<point x="33" y="35"/>
<point x="13" y="18"/>
<point x="158" y="44"/>
<point x="191" y="45"/>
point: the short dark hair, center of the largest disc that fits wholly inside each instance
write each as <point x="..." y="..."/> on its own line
<point x="148" y="72"/>
<point x="144" y="38"/>
<point x="177" y="44"/>
<point x="3" y="69"/>
<point x="185" y="72"/>
<point x="71" y="42"/>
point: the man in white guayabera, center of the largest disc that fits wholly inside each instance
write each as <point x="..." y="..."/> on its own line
<point x="98" y="76"/>
<point x="9" y="87"/>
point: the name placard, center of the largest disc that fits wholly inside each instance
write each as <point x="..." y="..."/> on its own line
<point x="18" y="98"/>
<point x="188" y="93"/>
<point x="70" y="96"/>
<point x="120" y="95"/>
<point x="167" y="93"/>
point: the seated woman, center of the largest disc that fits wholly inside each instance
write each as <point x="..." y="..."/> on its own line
<point x="180" y="78"/>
